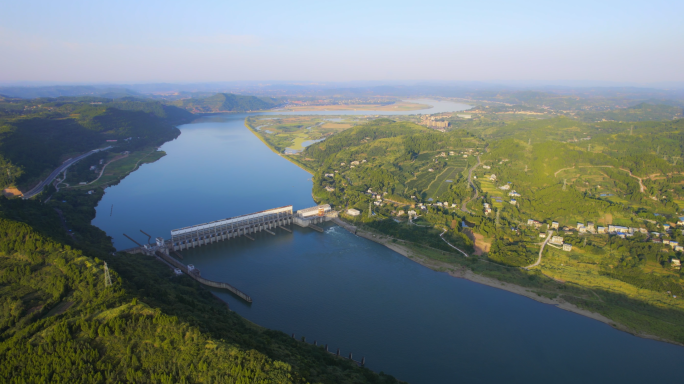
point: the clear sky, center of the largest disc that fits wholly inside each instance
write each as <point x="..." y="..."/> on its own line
<point x="199" y="41"/>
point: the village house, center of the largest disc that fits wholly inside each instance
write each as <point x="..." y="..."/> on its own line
<point x="514" y="202"/>
<point x="542" y="234"/>
<point x="675" y="263"/>
<point x="590" y="226"/>
<point x="567" y="247"/>
<point x="492" y="177"/>
<point x="342" y="164"/>
<point x="353" y="212"/>
<point x="513" y="193"/>
<point x="486" y="167"/>
<point x="554" y="224"/>
<point x="431" y="170"/>
<point x="329" y="188"/>
<point x="363" y="161"/>
<point x="666" y="241"/>
<point x="451" y="153"/>
<point x="354" y="163"/>
<point x="329" y="175"/>
<point x="505" y="187"/>
<point x="535" y="223"/>
<point x="674" y="244"/>
<point x="681" y="221"/>
<point x="679" y="248"/>
<point x="601" y="230"/>
<point x="556" y="240"/>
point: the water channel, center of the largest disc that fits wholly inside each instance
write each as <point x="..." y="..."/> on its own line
<point x="419" y="325"/>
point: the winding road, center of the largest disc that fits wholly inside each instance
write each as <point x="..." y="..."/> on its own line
<point x="548" y="237"/>
<point x="470" y="181"/>
<point x="642" y="188"/>
<point x="442" y="236"/>
<point x="39" y="188"/>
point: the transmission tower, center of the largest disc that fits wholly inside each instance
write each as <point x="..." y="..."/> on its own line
<point x="631" y="129"/>
<point x="108" y="279"/>
<point x="589" y="148"/>
<point x="370" y="211"/>
<point x="658" y="150"/>
<point x="497" y="217"/>
<point x="526" y="168"/>
<point x="529" y="141"/>
<point x="564" y="183"/>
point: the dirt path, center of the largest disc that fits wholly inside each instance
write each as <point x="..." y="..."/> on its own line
<point x="470" y="181"/>
<point x="109" y="162"/>
<point x="642" y="188"/>
<point x="548" y="236"/>
<point x="441" y="235"/>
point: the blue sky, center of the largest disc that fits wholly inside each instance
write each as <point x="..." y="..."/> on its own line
<point x="152" y="41"/>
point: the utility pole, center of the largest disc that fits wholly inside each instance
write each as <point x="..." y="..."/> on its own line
<point x="108" y="279"/>
<point x="370" y="212"/>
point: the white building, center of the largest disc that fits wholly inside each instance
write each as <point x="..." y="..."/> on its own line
<point x="353" y="212"/>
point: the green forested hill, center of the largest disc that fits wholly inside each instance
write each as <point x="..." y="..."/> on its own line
<point x="227" y="102"/>
<point x="560" y="169"/>
<point x="60" y="323"/>
<point x="37" y="135"/>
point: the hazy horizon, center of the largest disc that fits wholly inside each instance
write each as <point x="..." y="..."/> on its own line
<point x="498" y="42"/>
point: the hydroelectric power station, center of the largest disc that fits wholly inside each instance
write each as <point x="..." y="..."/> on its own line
<point x="225" y="229"/>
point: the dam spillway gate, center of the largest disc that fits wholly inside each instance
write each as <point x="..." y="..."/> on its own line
<point x="219" y="230"/>
<point x="207" y="233"/>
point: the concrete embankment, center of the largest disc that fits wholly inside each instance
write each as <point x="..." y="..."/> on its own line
<point x="195" y="275"/>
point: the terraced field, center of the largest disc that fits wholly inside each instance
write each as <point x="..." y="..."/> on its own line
<point x="489" y="188"/>
<point x="440" y="185"/>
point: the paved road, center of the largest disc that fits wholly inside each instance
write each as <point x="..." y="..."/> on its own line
<point x="548" y="236"/>
<point x="39" y="188"/>
<point x="470" y="181"/>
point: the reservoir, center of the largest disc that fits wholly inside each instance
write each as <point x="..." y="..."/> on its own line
<point x="419" y="325"/>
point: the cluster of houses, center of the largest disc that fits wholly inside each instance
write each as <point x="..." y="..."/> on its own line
<point x="616" y="230"/>
<point x="558" y="240"/>
<point x="487" y="208"/>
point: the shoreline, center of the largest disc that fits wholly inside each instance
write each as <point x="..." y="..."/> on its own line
<point x="274" y="150"/>
<point x="466" y="274"/>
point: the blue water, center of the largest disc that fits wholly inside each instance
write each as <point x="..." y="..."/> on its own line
<point x="350" y="293"/>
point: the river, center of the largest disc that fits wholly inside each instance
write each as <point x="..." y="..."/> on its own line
<point x="419" y="325"/>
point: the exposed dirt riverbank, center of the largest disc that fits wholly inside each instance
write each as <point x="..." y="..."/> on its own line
<point x="402" y="248"/>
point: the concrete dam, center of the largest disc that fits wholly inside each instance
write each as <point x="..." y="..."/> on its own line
<point x="225" y="229"/>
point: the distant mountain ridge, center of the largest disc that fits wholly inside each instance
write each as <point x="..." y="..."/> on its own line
<point x="227" y="102"/>
<point x="66" y="90"/>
